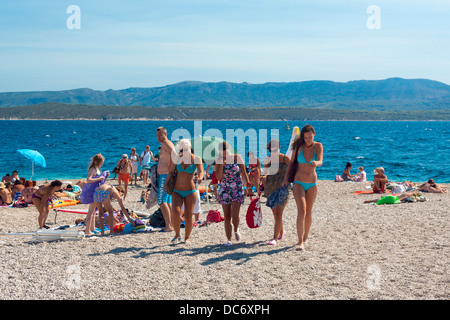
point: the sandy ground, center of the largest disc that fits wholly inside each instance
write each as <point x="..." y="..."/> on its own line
<point x="355" y="251"/>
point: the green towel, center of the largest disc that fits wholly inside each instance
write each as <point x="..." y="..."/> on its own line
<point x="389" y="200"/>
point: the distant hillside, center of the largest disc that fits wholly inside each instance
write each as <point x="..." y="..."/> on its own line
<point x="389" y="94"/>
<point x="60" y="111"/>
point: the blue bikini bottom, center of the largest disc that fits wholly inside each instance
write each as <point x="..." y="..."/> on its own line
<point x="306" y="185"/>
<point x="184" y="194"/>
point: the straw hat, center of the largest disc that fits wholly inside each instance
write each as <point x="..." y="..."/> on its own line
<point x="2" y="185"/>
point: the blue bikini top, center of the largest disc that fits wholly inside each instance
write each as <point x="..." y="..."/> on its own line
<point x="190" y="169"/>
<point x="301" y="157"/>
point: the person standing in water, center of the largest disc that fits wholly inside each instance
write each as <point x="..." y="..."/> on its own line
<point x="307" y="155"/>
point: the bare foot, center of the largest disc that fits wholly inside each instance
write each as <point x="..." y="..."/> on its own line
<point x="301" y="247"/>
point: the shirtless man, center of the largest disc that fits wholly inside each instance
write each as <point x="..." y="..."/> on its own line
<point x="5" y="195"/>
<point x="165" y="154"/>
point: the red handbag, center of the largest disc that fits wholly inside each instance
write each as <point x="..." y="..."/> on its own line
<point x="254" y="214"/>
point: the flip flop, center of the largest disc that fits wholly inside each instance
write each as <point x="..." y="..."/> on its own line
<point x="176" y="241"/>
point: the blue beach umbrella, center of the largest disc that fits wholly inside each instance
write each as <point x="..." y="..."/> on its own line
<point x="35" y="157"/>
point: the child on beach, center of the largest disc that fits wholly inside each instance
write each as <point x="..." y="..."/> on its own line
<point x="94" y="179"/>
<point x="361" y="176"/>
<point x="102" y="199"/>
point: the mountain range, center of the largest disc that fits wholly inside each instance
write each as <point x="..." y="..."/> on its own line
<point x="388" y="94"/>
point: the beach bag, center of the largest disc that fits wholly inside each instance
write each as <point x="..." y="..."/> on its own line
<point x="156" y="220"/>
<point x="338" y="178"/>
<point x="254" y="214"/>
<point x="214" y="216"/>
<point x="293" y="168"/>
<point x="171" y="182"/>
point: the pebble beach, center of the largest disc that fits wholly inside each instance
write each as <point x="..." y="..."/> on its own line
<point x="355" y="251"/>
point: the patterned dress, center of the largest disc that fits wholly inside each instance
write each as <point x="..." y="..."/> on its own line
<point x="230" y="189"/>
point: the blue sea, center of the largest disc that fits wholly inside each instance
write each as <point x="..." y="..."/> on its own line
<point x="408" y="150"/>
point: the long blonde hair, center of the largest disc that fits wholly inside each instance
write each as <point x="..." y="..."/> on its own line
<point x="96" y="160"/>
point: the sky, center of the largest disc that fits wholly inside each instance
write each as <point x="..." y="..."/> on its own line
<point x="153" y="43"/>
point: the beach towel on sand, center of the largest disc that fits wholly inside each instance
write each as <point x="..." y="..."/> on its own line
<point x="389" y="200"/>
<point x="367" y="192"/>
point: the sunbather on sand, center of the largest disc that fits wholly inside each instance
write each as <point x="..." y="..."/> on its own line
<point x="402" y="197"/>
<point x="379" y="181"/>
<point x="431" y="186"/>
<point x="5" y="195"/>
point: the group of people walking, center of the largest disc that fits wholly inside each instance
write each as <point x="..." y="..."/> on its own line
<point x="230" y="170"/>
<point x="177" y="167"/>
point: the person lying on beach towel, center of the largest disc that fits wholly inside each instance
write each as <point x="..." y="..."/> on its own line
<point x="431" y="186"/>
<point x="404" y="197"/>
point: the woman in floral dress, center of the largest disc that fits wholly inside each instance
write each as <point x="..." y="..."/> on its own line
<point x="230" y="169"/>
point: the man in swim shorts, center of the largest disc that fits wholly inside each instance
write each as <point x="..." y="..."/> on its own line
<point x="164" y="200"/>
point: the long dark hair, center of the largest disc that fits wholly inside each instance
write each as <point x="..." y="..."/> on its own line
<point x="300" y="141"/>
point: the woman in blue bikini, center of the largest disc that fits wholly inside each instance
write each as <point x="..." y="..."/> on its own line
<point x="184" y="191"/>
<point x="306" y="156"/>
